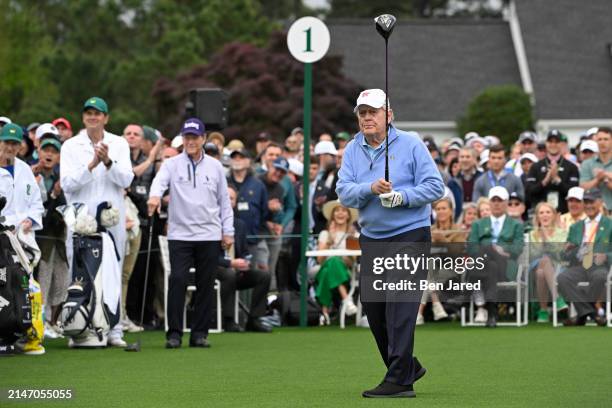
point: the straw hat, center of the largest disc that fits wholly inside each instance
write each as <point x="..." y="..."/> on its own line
<point x="328" y="209"/>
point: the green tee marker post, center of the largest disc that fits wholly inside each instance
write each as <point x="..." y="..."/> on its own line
<point x="308" y="41"/>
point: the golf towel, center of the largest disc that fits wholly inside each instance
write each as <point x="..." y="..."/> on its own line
<point x="111" y="274"/>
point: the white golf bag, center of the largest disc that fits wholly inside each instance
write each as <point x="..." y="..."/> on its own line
<point x="85" y="318"/>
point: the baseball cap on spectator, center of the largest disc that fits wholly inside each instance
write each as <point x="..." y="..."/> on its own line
<point x="193" y="126"/>
<point x="499" y="192"/>
<point x="32" y="126"/>
<point x="281" y="163"/>
<point x="149" y="134"/>
<point x="592" y="195"/>
<point x="470" y="135"/>
<point x="62" y="121"/>
<point x="477" y="139"/>
<point x="541" y="146"/>
<point x="514" y="196"/>
<point x="45" y="130"/>
<point x="491" y="140"/>
<point x="264" y="137"/>
<point x="556" y="134"/>
<point x="4" y="120"/>
<point x="371" y="97"/>
<point x="11" y="132"/>
<point x="51" y="141"/>
<point x="96" y="103"/>
<point x="234" y="145"/>
<point x="343" y="136"/>
<point x="484" y="157"/>
<point x="430" y="144"/>
<point x="528" y="156"/>
<point x="211" y="149"/>
<point x="590" y="145"/>
<point x="527" y="135"/>
<point x="325" y="147"/>
<point x="452" y="147"/>
<point x="177" y="142"/>
<point x="217" y="136"/>
<point x="297" y="130"/>
<point x="592" y="131"/>
<point x="456" y="141"/>
<point x="575" y="192"/>
<point x="296" y="167"/>
<point x="243" y="152"/>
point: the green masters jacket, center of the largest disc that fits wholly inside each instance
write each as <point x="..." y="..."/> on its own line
<point x="510" y="239"/>
<point x="603" y="238"/>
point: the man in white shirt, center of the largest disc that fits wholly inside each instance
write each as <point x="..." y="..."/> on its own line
<point x="95" y="167"/>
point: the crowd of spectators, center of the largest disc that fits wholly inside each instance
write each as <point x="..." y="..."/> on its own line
<point x="540" y="184"/>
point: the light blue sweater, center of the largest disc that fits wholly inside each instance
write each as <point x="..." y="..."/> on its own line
<point x="412" y="172"/>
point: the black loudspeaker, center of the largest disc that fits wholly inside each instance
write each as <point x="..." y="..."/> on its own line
<point x="210" y="106"/>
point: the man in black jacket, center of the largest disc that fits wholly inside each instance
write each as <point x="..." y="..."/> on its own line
<point x="235" y="273"/>
<point x="551" y="178"/>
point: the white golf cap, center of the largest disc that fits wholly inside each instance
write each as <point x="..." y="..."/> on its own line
<point x="371" y="97"/>
<point x="592" y="131"/>
<point x="325" y="147"/>
<point x="484" y="157"/>
<point x="5" y="120"/>
<point x="177" y="142"/>
<point x="477" y="139"/>
<point x="296" y="167"/>
<point x="499" y="192"/>
<point x="491" y="140"/>
<point x="46" y="129"/>
<point x="529" y="156"/>
<point x="575" y="192"/>
<point x="470" y="135"/>
<point x="589" y="145"/>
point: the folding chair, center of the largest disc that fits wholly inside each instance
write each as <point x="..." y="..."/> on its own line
<point x="165" y="255"/>
<point x="586" y="284"/>
<point x="520" y="286"/>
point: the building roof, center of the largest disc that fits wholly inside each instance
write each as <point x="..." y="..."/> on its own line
<point x="435" y="66"/>
<point x="567" y="51"/>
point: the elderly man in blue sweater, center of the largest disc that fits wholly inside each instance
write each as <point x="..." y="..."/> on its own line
<point x="393" y="212"/>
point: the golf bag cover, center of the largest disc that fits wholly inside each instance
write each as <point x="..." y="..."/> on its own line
<point x="15" y="301"/>
<point x="84" y="314"/>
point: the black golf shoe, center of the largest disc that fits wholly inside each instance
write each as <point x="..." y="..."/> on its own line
<point x="173" y="343"/>
<point x="199" y="342"/>
<point x="390" y="390"/>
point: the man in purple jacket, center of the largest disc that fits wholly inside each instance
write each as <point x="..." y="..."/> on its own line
<point x="200" y="224"/>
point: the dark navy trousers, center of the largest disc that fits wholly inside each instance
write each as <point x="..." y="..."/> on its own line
<point x="393" y="323"/>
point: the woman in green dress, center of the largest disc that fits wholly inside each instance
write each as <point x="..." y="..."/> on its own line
<point x="334" y="274"/>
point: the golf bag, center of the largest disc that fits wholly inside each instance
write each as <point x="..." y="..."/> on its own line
<point x="289" y="307"/>
<point x="15" y="302"/>
<point x="84" y="316"/>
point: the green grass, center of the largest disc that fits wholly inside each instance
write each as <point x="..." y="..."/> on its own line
<point x="535" y="366"/>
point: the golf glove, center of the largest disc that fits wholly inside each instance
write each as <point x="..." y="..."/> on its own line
<point x="392" y="199"/>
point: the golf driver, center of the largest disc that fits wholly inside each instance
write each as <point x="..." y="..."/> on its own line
<point x="136" y="346"/>
<point x="384" y="25"/>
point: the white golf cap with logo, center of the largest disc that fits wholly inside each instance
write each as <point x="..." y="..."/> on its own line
<point x="325" y="147"/>
<point x="589" y="145"/>
<point x="575" y="192"/>
<point x="371" y="97"/>
<point x="529" y="156"/>
<point x="499" y="192"/>
<point x="46" y="129"/>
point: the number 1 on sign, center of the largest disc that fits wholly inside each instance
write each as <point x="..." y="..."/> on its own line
<point x="308" y="49"/>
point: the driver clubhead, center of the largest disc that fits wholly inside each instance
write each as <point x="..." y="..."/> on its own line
<point x="385" y="24"/>
<point x="133" y="347"/>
